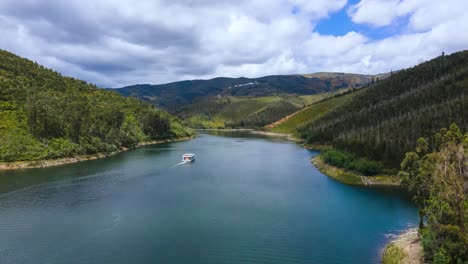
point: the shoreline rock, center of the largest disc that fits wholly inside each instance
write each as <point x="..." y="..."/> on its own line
<point x="405" y="249"/>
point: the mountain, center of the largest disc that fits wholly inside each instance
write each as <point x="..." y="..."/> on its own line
<point x="173" y="96"/>
<point x="385" y="120"/>
<point x="44" y="115"/>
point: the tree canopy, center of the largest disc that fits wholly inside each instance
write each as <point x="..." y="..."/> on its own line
<point x="44" y="115"/>
<point x="384" y="121"/>
<point x="437" y="174"/>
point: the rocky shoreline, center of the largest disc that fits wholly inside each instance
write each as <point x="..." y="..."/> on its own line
<point x="406" y="248"/>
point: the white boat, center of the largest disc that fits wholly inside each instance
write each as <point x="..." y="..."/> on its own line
<point x="188" y="157"/>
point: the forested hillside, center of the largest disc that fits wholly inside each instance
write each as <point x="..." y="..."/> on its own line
<point x="311" y="113"/>
<point x="44" y="115"/>
<point x="176" y="95"/>
<point x="245" y="112"/>
<point x="384" y="121"/>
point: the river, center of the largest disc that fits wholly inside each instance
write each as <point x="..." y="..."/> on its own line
<point x="246" y="199"/>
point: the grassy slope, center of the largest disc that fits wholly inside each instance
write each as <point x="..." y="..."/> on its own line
<point x="215" y="113"/>
<point x="311" y="113"/>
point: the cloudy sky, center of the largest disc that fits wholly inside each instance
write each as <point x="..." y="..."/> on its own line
<point x="119" y="42"/>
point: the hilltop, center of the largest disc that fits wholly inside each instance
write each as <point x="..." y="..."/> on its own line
<point x="173" y="96"/>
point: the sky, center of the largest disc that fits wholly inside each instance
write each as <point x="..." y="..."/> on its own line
<point x="114" y="43"/>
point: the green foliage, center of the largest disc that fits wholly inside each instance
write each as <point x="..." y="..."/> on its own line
<point x="338" y="174"/>
<point x="347" y="161"/>
<point x="393" y="255"/>
<point x="44" y="115"/>
<point x="385" y="120"/>
<point x="437" y="180"/>
<point x="239" y="112"/>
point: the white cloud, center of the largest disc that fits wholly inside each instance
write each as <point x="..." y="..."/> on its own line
<point x="374" y="12"/>
<point x="424" y="14"/>
<point x="125" y="42"/>
<point x="319" y="9"/>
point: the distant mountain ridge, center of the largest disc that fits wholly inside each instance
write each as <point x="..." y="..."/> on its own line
<point x="172" y="96"/>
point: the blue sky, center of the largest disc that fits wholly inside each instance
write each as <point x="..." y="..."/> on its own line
<point x="339" y="23"/>
<point x="114" y="43"/>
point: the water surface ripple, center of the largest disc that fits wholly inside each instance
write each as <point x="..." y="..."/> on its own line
<point x="244" y="200"/>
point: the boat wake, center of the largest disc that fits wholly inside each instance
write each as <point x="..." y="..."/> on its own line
<point x="180" y="163"/>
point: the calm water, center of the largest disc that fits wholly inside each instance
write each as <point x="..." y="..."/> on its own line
<point x="245" y="200"/>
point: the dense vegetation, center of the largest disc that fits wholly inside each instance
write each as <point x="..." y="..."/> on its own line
<point x="174" y="96"/>
<point x="437" y="174"/>
<point x="384" y="121"/>
<point x="44" y="115"/>
<point x="348" y="161"/>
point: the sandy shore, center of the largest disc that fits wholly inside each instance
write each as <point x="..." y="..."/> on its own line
<point x="410" y="244"/>
<point x="57" y="162"/>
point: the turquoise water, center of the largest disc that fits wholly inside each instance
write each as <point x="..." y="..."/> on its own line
<point x="244" y="200"/>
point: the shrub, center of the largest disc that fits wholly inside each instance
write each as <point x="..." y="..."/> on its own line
<point x="347" y="161"/>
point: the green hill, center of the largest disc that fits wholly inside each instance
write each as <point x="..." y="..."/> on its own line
<point x="176" y="95"/>
<point x="238" y="112"/>
<point x="44" y="115"/>
<point x="310" y="113"/>
<point x="385" y="120"/>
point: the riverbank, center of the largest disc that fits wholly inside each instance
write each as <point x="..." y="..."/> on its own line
<point x="339" y="174"/>
<point x="223" y="129"/>
<point x="255" y="132"/>
<point x="274" y="134"/>
<point x="62" y="161"/>
<point x="405" y="249"/>
<point x="352" y="178"/>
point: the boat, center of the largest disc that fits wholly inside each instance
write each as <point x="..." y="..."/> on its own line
<point x="188" y="157"/>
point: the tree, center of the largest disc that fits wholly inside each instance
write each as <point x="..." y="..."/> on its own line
<point x="439" y="181"/>
<point x="45" y="114"/>
<point x="416" y="173"/>
<point x="155" y="125"/>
